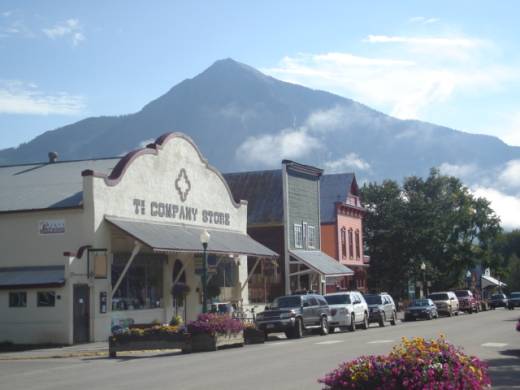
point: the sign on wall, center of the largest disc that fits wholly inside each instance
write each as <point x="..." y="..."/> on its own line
<point x="51" y="226"/>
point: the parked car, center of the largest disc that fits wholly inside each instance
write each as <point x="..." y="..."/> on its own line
<point x="514" y="300"/>
<point x="446" y="302"/>
<point x="467" y="301"/>
<point x="421" y="308"/>
<point x="498" y="300"/>
<point x="347" y="309"/>
<point x="381" y="308"/>
<point x="294" y="314"/>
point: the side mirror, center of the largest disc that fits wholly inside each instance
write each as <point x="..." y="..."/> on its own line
<point x="267" y="308"/>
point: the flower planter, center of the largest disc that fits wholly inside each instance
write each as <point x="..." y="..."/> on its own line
<point x="126" y="342"/>
<point x="205" y="342"/>
<point x="254" y="336"/>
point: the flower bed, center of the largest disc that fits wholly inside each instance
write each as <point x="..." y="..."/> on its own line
<point x="414" y="364"/>
<point x="154" y="337"/>
<point x="211" y="331"/>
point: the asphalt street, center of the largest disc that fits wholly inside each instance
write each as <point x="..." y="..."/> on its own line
<point x="277" y="364"/>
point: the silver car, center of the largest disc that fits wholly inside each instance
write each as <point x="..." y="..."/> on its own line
<point x="347" y="310"/>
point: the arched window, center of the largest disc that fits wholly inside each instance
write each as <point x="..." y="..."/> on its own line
<point x="350" y="244"/>
<point x="343" y="243"/>
<point x="358" y="250"/>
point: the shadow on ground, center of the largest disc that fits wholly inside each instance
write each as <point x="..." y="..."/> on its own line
<point x="505" y="372"/>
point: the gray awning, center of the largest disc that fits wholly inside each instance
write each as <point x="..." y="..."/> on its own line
<point x="26" y="277"/>
<point x="321" y="263"/>
<point x="180" y="238"/>
<point x="488" y="281"/>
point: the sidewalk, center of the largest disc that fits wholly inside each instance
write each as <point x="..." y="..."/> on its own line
<point x="80" y="350"/>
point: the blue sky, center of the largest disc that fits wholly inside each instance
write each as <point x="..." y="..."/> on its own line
<point x="451" y="63"/>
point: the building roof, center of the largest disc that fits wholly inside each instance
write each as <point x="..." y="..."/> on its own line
<point x="47" y="185"/>
<point x="263" y="191"/>
<point x="334" y="188"/>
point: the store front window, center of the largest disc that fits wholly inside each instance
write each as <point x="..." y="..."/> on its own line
<point x="142" y="286"/>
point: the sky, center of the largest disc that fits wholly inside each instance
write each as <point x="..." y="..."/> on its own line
<point x="450" y="63"/>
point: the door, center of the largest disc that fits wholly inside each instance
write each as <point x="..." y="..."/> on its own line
<point x="81" y="313"/>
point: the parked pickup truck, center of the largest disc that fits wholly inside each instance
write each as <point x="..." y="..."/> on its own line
<point x="294" y="314"/>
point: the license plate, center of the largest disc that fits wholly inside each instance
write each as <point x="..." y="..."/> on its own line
<point x="269" y="326"/>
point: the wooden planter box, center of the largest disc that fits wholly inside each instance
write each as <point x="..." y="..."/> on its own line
<point x="254" y="336"/>
<point x="120" y="343"/>
<point x="204" y="342"/>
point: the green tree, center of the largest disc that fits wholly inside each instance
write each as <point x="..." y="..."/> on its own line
<point x="434" y="220"/>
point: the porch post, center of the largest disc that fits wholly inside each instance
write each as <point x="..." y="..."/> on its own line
<point x="135" y="251"/>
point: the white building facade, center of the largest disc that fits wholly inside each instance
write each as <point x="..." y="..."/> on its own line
<point x="109" y="247"/>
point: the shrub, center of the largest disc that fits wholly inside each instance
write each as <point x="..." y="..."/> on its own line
<point x="212" y="324"/>
<point x="414" y="364"/>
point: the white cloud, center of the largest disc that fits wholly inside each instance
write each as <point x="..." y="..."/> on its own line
<point x="351" y="161"/>
<point x="421" y="72"/>
<point x="510" y="176"/>
<point x="270" y="149"/>
<point x="460" y="171"/>
<point x="70" y="28"/>
<point x="17" y="97"/>
<point x="429" y="41"/>
<point x="423" y="20"/>
<point x="507" y="207"/>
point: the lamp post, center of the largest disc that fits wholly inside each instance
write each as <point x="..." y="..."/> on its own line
<point x="468" y="279"/>
<point x="423" y="269"/>
<point x="204" y="239"/>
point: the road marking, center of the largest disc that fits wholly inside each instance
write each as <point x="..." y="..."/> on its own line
<point x="330" y="342"/>
<point x="380" y="341"/>
<point x="277" y="343"/>
<point x="494" y="345"/>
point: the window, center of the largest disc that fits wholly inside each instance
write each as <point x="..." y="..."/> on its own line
<point x="142" y="286"/>
<point x="227" y="273"/>
<point x="350" y="244"/>
<point x="18" y="299"/>
<point x="311" y="237"/>
<point x="343" y="243"/>
<point x="46" y="299"/>
<point x="358" y="254"/>
<point x="298" y="236"/>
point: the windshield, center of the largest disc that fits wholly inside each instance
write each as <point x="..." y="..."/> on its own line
<point x="337" y="299"/>
<point x="286" y="302"/>
<point x="439" y="297"/>
<point x="515" y="295"/>
<point x="497" y="296"/>
<point x="463" y="293"/>
<point x="420" y="302"/>
<point x="373" y="299"/>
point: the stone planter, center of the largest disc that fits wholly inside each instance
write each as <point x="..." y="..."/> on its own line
<point x="205" y="342"/>
<point x="254" y="336"/>
<point x="120" y="343"/>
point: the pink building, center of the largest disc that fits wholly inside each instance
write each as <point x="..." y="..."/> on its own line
<point x="342" y="228"/>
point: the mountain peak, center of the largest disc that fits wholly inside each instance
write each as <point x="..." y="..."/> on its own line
<point x="229" y="65"/>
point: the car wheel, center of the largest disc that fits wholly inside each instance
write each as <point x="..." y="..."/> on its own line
<point x="288" y="333"/>
<point x="298" y="329"/>
<point x="353" y="322"/>
<point x="382" y="320"/>
<point x="430" y="315"/>
<point x="324" y="329"/>
<point x="470" y="311"/>
<point x="365" y="321"/>
<point x="393" y="321"/>
<point x="332" y="329"/>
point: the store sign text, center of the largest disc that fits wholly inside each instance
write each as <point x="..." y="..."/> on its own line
<point x="180" y="212"/>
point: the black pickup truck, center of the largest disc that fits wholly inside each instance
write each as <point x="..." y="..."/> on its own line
<point x="294" y="314"/>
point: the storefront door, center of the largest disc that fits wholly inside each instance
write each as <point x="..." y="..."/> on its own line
<point x="81" y="310"/>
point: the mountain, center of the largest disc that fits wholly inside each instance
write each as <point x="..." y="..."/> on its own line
<point x="242" y="119"/>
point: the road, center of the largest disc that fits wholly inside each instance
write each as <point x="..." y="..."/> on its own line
<point x="277" y="364"/>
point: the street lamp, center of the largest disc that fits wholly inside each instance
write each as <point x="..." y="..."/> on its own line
<point x="423" y="269"/>
<point x="468" y="278"/>
<point x="204" y="239"/>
